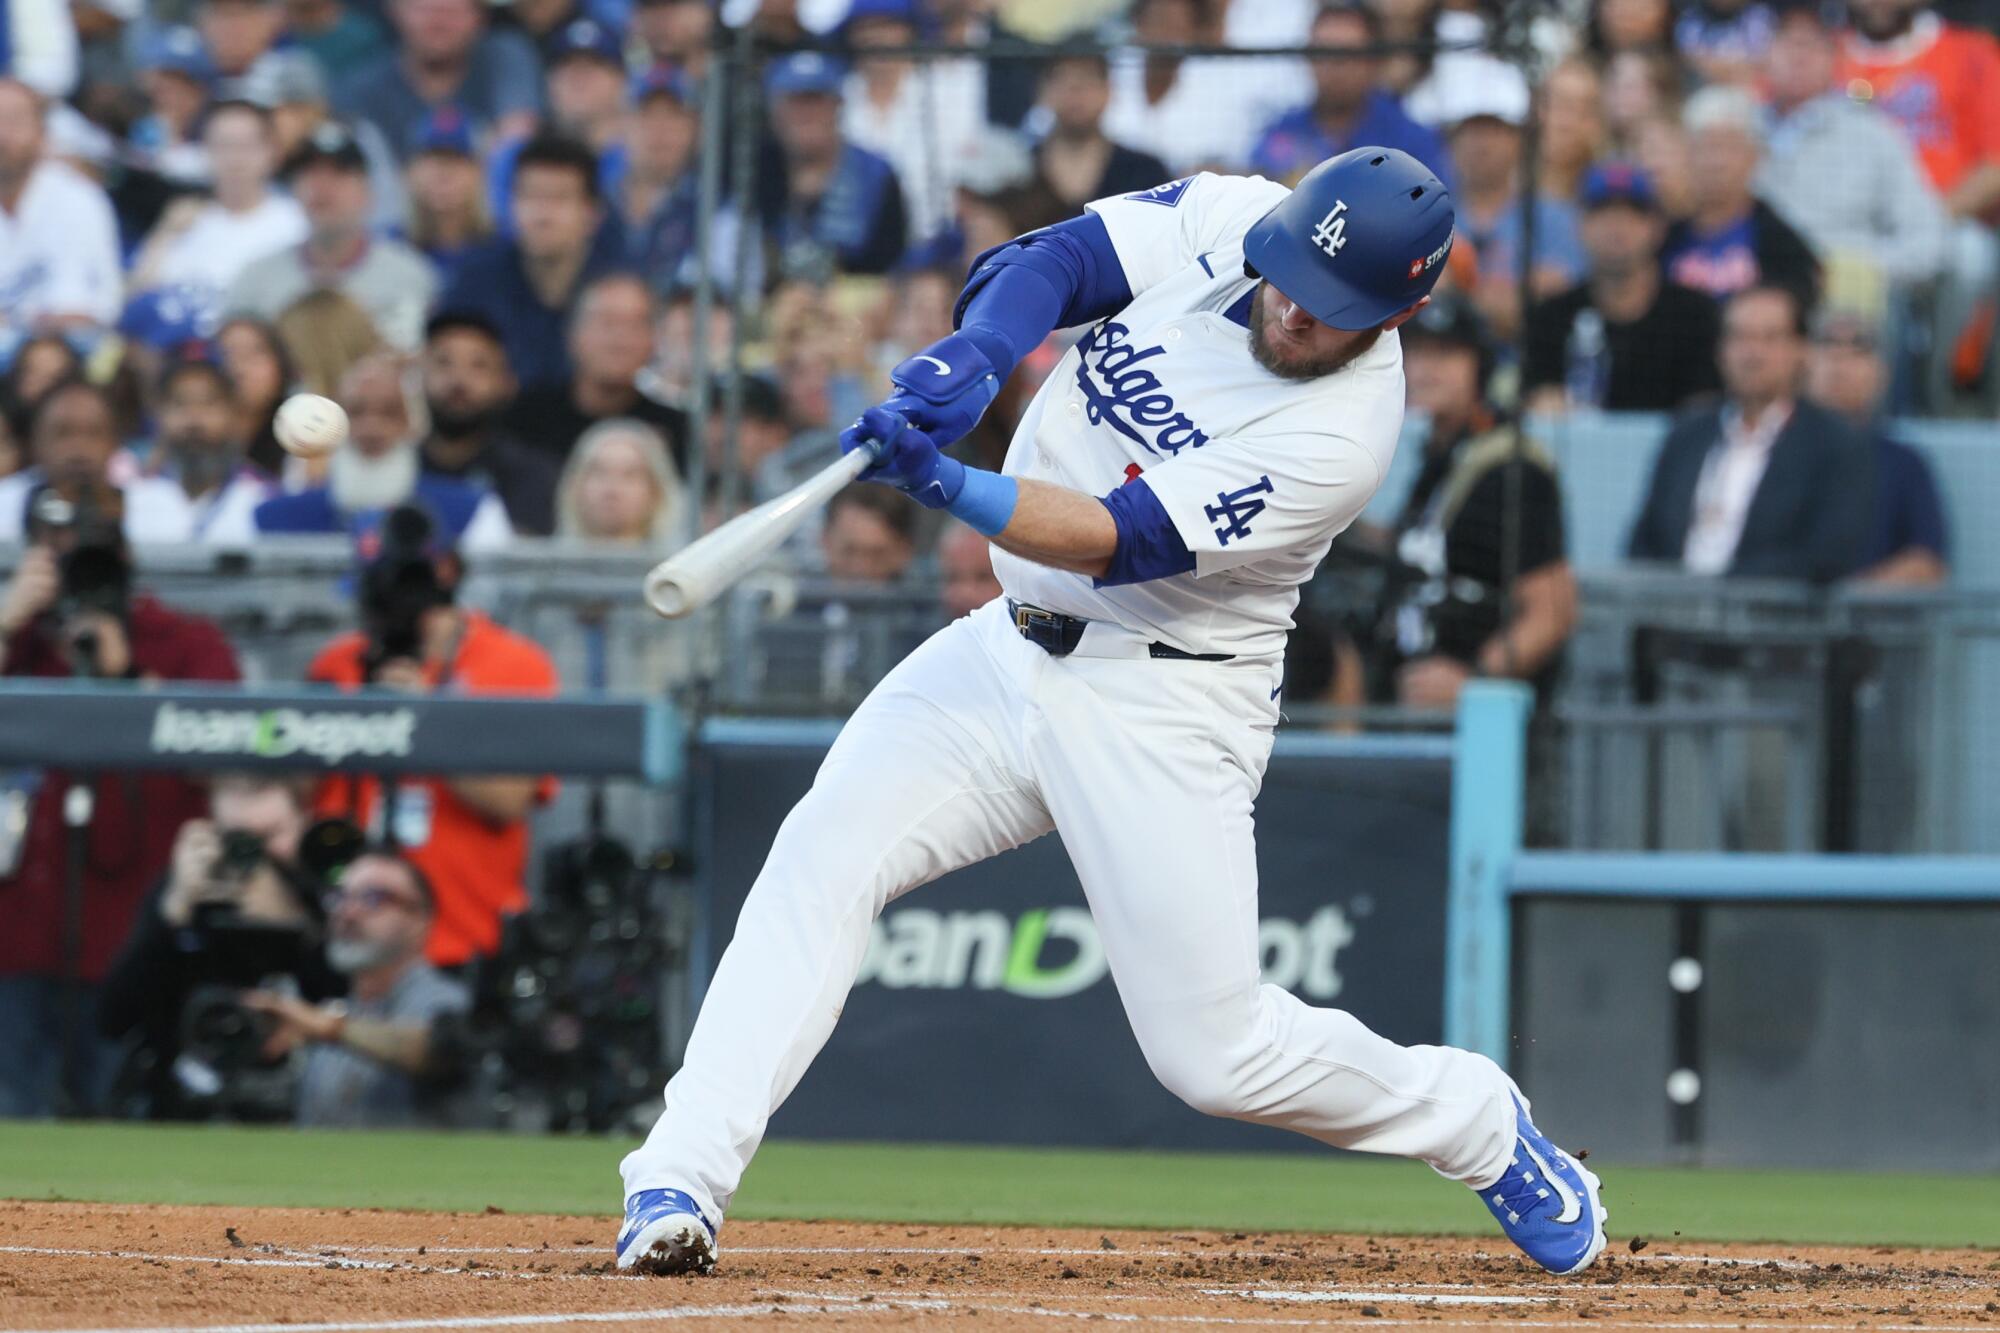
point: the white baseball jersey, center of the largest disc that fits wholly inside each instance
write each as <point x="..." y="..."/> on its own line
<point x="1258" y="473"/>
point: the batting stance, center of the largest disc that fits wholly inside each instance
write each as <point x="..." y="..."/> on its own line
<point x="1232" y="408"/>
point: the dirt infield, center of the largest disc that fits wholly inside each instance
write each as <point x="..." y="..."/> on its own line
<point x="78" y="1266"/>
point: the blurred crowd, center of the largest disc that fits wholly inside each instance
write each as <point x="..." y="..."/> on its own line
<point x="476" y="225"/>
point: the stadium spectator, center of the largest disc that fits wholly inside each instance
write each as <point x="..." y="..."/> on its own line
<point x="1628" y="25"/>
<point x="1733" y="240"/>
<point x="678" y="365"/>
<point x="924" y="116"/>
<point x="468" y="834"/>
<point x="1941" y="82"/>
<point x="585" y="85"/>
<point x="446" y="56"/>
<point x="1573" y="129"/>
<point x="965" y="566"/>
<point x="870" y="535"/>
<point x="1166" y="105"/>
<point x="371" y="1061"/>
<point x="1639" y="87"/>
<point x="919" y="314"/>
<point x="260" y="371"/>
<point x="658" y="197"/>
<point x="335" y="34"/>
<point x="1076" y="161"/>
<point x="610" y="344"/>
<point x="1845" y="373"/>
<point x="58" y="237"/>
<point x="1452" y="621"/>
<point x="236" y="32"/>
<point x="239" y="860"/>
<point x="1486" y="157"/>
<point x="675" y="33"/>
<point x="525" y="285"/>
<point x="1726" y="41"/>
<point x="1762" y="485"/>
<point x="771" y="454"/>
<point x="201" y="449"/>
<point x="467" y="387"/>
<point x="448" y="217"/>
<point x="73" y="442"/>
<point x="378" y="468"/>
<point x="69" y="610"/>
<point x="202" y="244"/>
<point x="41" y="362"/>
<point x="293" y="86"/>
<point x="175" y="76"/>
<point x="1840" y="170"/>
<point x="620" y="486"/>
<point x="827" y="204"/>
<point x="1625" y="339"/>
<point x="385" y="277"/>
<point x="1349" y="107"/>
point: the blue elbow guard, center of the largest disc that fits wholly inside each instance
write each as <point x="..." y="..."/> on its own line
<point x="1149" y="546"/>
<point x="1018" y="293"/>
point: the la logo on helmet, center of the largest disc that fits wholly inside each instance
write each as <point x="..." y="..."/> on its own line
<point x="1331" y="233"/>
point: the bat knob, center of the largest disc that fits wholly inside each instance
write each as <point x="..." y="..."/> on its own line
<point x="664" y="592"/>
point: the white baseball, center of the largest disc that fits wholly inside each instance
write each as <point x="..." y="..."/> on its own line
<point x="309" y="425"/>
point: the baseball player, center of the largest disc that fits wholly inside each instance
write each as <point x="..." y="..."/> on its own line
<point x="1232" y="408"/>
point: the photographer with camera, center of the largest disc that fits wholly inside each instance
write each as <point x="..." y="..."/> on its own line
<point x="468" y="834"/>
<point x="78" y="851"/>
<point x="240" y="903"/>
<point x="372" y="1061"/>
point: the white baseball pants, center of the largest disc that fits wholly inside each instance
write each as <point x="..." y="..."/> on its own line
<point x="979" y="742"/>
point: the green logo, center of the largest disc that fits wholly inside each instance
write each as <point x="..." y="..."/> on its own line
<point x="1049" y="953"/>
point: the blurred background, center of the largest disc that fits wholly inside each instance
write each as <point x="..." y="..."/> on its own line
<point x="1638" y="735"/>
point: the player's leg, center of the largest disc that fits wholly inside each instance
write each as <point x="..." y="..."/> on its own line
<point x="923" y="779"/>
<point x="1151" y="787"/>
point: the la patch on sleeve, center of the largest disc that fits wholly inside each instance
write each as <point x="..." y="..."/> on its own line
<point x="1167" y="196"/>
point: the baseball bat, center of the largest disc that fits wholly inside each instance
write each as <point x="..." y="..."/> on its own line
<point x="692" y="576"/>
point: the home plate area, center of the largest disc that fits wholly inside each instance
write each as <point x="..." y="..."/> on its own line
<point x="231" y="1270"/>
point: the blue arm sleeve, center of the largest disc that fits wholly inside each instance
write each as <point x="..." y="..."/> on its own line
<point x="1050" y="279"/>
<point x="1149" y="547"/>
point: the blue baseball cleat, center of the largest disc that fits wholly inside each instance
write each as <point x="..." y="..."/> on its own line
<point x="665" y="1232"/>
<point x="1547" y="1202"/>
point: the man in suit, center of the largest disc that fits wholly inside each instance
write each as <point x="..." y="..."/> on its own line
<point x="1765" y="485"/>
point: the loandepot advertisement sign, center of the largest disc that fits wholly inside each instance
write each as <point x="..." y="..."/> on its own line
<point x="985" y="1011"/>
<point x="284" y="733"/>
<point x="1049" y="953"/>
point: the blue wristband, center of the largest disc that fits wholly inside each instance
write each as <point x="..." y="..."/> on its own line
<point x="986" y="501"/>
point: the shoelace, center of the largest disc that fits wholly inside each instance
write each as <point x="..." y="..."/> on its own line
<point x="1521" y="1191"/>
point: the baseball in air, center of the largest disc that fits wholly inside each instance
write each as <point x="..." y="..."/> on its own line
<point x="309" y="425"/>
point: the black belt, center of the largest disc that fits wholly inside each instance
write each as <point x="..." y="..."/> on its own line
<point x="1058" y="635"/>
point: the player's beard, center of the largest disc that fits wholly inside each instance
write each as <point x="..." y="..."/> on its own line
<point x="1306" y="368"/>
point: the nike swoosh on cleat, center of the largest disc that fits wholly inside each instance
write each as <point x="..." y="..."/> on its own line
<point x="942" y="368"/>
<point x="1572" y="1206"/>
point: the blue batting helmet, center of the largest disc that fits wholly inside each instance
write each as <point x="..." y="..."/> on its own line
<point x="1363" y="237"/>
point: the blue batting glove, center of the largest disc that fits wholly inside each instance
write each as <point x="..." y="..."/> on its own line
<point x="944" y="389"/>
<point x="905" y="458"/>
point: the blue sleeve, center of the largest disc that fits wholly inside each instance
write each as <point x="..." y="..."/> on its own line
<point x="1149" y="546"/>
<point x="1020" y="292"/>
